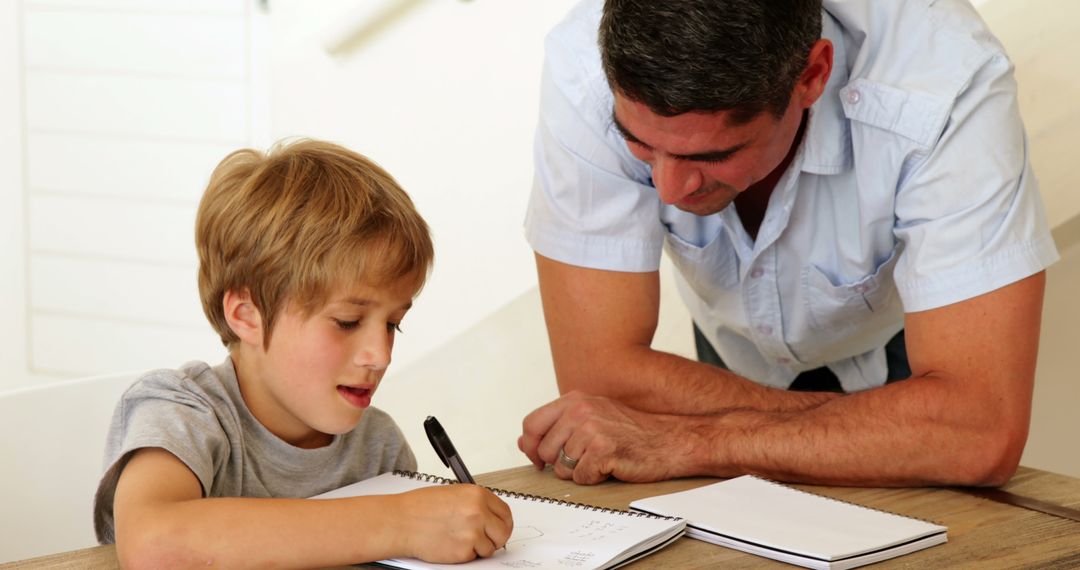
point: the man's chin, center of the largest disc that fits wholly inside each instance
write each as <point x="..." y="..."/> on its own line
<point x="708" y="203"/>
<point x="702" y="209"/>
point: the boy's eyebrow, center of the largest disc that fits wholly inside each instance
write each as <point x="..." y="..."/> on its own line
<point x="707" y="156"/>
<point x="365" y="302"/>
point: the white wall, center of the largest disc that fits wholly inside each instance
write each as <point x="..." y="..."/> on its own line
<point x="100" y="256"/>
<point x="445" y="98"/>
<point x="13" y="358"/>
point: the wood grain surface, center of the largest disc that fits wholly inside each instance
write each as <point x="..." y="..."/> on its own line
<point x="982" y="533"/>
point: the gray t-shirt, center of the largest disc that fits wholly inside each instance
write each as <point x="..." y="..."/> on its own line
<point x="197" y="414"/>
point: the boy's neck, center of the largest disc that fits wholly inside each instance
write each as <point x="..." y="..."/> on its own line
<point x="259" y="403"/>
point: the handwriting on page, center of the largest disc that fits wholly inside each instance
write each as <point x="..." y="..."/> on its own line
<point x="576" y="558"/>
<point x="597" y="530"/>
<point x="523" y="533"/>
<point x="519" y="551"/>
<point x="572" y="559"/>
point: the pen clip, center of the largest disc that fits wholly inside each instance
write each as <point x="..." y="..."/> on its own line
<point x="437" y="436"/>
<point x="445" y="450"/>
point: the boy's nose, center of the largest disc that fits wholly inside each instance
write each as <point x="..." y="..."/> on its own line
<point x="374" y="352"/>
<point x="674" y="179"/>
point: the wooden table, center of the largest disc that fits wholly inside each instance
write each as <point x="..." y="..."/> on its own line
<point x="981" y="533"/>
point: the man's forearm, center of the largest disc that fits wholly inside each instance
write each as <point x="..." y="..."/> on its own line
<point x="661" y="382"/>
<point x="917" y="432"/>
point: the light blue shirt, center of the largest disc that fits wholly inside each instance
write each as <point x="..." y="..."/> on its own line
<point x="911" y="190"/>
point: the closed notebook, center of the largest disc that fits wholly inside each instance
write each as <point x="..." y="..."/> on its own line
<point x="548" y="533"/>
<point x="783" y="523"/>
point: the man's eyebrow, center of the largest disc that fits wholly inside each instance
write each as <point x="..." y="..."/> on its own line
<point x="713" y="155"/>
<point x="626" y="134"/>
<point x="708" y="156"/>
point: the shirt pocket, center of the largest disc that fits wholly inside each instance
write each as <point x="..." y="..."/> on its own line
<point x="709" y="269"/>
<point x="919" y="117"/>
<point x="866" y="303"/>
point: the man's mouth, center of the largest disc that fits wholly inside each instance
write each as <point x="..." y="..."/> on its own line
<point x="697" y="195"/>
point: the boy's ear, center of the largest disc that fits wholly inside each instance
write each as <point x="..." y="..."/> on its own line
<point x="243" y="316"/>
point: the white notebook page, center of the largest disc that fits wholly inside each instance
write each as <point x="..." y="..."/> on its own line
<point x="784" y="518"/>
<point x="545" y="535"/>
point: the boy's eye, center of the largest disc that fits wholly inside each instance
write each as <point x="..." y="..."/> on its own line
<point x="393" y="327"/>
<point x="346" y="325"/>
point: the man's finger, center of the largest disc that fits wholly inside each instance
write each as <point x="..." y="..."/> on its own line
<point x="535" y="427"/>
<point x="533" y="458"/>
<point x="588" y="470"/>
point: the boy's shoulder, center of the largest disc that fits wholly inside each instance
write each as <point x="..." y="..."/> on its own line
<point x="194" y="380"/>
<point x="204" y="398"/>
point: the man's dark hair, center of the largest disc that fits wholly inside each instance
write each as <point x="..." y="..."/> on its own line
<point x="677" y="56"/>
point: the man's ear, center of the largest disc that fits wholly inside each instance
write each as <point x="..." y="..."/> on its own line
<point x="243" y="316"/>
<point x="818" y="69"/>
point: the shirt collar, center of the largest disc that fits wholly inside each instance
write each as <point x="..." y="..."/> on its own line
<point x="827" y="146"/>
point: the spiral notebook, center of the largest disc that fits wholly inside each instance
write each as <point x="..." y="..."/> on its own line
<point x="783" y="523"/>
<point x="548" y="533"/>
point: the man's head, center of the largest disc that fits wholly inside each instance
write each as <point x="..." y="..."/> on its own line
<point x="295" y="224"/>
<point x="683" y="56"/>
<point x="711" y="93"/>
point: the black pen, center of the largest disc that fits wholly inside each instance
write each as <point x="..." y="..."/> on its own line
<point x="444" y="448"/>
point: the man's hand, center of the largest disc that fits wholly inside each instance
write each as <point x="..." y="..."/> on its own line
<point x="608" y="439"/>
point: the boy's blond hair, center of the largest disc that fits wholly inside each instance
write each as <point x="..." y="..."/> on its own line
<point x="296" y="223"/>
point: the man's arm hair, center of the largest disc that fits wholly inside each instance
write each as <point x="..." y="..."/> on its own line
<point x="962" y="418"/>
<point x="601" y="325"/>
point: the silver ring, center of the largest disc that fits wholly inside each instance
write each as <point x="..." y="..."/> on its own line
<point x="569" y="462"/>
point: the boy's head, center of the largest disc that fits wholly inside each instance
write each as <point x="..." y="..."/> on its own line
<point x="294" y="224"/>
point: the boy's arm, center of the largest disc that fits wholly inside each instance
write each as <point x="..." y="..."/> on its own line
<point x="162" y="521"/>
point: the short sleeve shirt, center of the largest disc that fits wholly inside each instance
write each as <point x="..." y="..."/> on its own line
<point x="911" y="190"/>
<point x="197" y="414"/>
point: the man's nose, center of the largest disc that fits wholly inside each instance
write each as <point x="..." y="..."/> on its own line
<point x="674" y="179"/>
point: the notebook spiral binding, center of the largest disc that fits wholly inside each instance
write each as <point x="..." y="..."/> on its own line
<point x="538" y="498"/>
<point x="834" y="499"/>
<point x="424" y="477"/>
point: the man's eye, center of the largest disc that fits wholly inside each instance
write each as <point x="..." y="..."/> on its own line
<point x="713" y="160"/>
<point x="346" y="325"/>
<point x="393" y="327"/>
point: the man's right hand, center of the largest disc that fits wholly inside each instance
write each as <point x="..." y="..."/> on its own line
<point x="610" y="439"/>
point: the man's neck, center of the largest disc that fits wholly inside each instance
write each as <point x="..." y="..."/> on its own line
<point x="752" y="202"/>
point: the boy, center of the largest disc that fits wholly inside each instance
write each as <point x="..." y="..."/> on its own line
<point x="309" y="258"/>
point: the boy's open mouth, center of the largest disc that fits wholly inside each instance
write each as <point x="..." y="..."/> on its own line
<point x="359" y="397"/>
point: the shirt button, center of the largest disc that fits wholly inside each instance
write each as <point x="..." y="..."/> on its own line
<point x="861" y="288"/>
<point x="757" y="272"/>
<point x="764" y="329"/>
<point x="853" y="96"/>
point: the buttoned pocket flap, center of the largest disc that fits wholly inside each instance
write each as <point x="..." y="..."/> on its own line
<point x="917" y="116"/>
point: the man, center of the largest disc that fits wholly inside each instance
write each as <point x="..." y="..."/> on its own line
<point x="845" y="193"/>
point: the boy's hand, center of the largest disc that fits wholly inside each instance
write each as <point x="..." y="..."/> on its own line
<point x="454" y="523"/>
